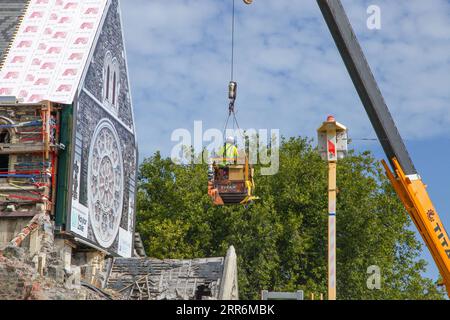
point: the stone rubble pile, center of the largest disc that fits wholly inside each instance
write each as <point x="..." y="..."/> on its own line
<point x="41" y="277"/>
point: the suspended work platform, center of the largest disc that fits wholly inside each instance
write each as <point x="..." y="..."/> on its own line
<point x="231" y="183"/>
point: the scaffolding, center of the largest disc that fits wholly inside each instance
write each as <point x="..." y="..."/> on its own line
<point x="29" y="144"/>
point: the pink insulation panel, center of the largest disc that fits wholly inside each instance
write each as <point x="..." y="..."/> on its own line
<point x="50" y="50"/>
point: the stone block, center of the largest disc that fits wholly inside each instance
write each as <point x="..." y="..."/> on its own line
<point x="13" y="252"/>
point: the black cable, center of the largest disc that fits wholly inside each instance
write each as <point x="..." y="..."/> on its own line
<point x="232" y="41"/>
<point x="231" y="106"/>
<point x="239" y="128"/>
<point x="97" y="290"/>
<point x="364" y="139"/>
<point x="226" y="125"/>
<point x="231" y="111"/>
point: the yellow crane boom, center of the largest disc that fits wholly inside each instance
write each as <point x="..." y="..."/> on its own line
<point x="414" y="195"/>
<point x="404" y="177"/>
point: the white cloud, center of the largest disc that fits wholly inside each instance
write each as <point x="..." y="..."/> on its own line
<point x="289" y="71"/>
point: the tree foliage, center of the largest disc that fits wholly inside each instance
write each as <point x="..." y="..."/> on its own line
<point x="281" y="240"/>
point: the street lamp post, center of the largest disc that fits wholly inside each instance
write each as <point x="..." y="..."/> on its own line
<point x="332" y="137"/>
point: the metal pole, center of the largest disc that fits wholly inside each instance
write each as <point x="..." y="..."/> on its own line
<point x="332" y="138"/>
<point x="332" y="230"/>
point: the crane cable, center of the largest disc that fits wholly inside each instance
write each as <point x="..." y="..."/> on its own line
<point x="233" y="85"/>
<point x="232" y="40"/>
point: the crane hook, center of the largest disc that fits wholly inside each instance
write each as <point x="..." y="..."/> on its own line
<point x="248" y="1"/>
<point x="232" y="95"/>
<point x="232" y="91"/>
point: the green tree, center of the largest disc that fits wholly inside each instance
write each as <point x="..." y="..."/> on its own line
<point x="281" y="240"/>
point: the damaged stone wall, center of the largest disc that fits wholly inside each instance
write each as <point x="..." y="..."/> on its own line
<point x="45" y="275"/>
<point x="20" y="281"/>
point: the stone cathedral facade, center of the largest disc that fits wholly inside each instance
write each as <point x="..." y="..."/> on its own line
<point x="67" y="116"/>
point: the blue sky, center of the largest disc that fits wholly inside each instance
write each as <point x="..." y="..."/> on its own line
<point x="290" y="73"/>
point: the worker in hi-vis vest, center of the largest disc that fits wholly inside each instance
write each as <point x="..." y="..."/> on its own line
<point x="229" y="151"/>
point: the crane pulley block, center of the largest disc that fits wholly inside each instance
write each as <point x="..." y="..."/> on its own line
<point x="232" y="90"/>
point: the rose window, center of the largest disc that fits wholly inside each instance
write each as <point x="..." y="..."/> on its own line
<point x="105" y="176"/>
